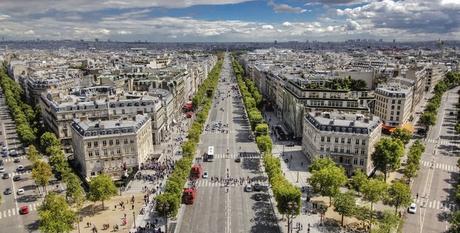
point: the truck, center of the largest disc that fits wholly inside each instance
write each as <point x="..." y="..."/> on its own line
<point x="196" y="171"/>
<point x="209" y="155"/>
<point x="188" y="195"/>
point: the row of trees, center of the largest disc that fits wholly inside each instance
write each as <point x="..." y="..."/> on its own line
<point x="387" y="155"/>
<point x="23" y="114"/>
<point x="288" y="196"/>
<point x="168" y="202"/>
<point x="413" y="160"/>
<point x="428" y="117"/>
<point x="327" y="178"/>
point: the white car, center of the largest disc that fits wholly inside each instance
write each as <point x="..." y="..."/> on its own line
<point x="412" y="208"/>
<point x="20" y="191"/>
<point x="248" y="188"/>
<point x="205" y="175"/>
<point x="20" y="168"/>
<point x="2" y="169"/>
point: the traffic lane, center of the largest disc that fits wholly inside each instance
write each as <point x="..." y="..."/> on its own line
<point x="442" y="187"/>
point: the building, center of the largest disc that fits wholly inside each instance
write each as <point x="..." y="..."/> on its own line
<point x="393" y="102"/>
<point x="112" y="146"/>
<point x="348" y="139"/>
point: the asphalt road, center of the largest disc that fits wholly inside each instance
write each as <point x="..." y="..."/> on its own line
<point x="438" y="173"/>
<point x="230" y="209"/>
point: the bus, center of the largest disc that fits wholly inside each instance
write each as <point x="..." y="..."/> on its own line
<point x="209" y="156"/>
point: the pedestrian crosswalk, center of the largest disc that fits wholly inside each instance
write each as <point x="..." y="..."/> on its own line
<point x="235" y="155"/>
<point x="15" y="211"/>
<point x="445" y="167"/>
<point x="439" y="141"/>
<point x="11" y="159"/>
<point x="436" y="204"/>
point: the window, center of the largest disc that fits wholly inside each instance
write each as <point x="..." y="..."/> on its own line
<point x="328" y="139"/>
<point x="117" y="142"/>
<point x="336" y="149"/>
<point x="104" y="143"/>
<point x="341" y="150"/>
<point x="357" y="141"/>
<point x="336" y="140"/>
<point x="105" y="152"/>
<point x="131" y="141"/>
<point x="111" y="142"/>
<point x="363" y="142"/>
<point x="399" y="101"/>
<point x="126" y="141"/>
<point x="342" y="140"/>
<point x="356" y="150"/>
<point x="355" y="161"/>
<point x="362" y="152"/>
<point x="393" y="101"/>
<point x="397" y="113"/>
<point x="321" y="148"/>
<point x="361" y="162"/>
<point x="322" y="138"/>
<point x="392" y="107"/>
<point x="88" y="144"/>
<point x="348" y="150"/>
<point x="96" y="144"/>
<point x="123" y="111"/>
<point x="90" y="154"/>
<point x="97" y="153"/>
<point x="349" y="140"/>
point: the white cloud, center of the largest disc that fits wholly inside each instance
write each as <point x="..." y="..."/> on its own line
<point x="285" y="8"/>
<point x="268" y="26"/>
<point x="287" y="24"/>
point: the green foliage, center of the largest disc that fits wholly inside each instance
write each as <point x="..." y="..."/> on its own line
<point x="283" y="191"/>
<point x="399" y="195"/>
<point x="32" y="154"/>
<point x="319" y="163"/>
<point x="374" y="190"/>
<point x="327" y="180"/>
<point x="262" y="129"/>
<point x="101" y="188"/>
<point x="345" y="204"/>
<point x="455" y="222"/>
<point x="413" y="160"/>
<point x="49" y="141"/>
<point x="387" y="155"/>
<point x="402" y="134"/>
<point x="74" y="191"/>
<point x="167" y="205"/>
<point x="387" y="223"/>
<point x="358" y="180"/>
<point x="264" y="143"/>
<point x="41" y="173"/>
<point x="255" y="117"/>
<point x="428" y="119"/>
<point x="55" y="215"/>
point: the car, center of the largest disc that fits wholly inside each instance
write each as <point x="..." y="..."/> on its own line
<point x="7" y="191"/>
<point x="5" y="148"/>
<point x="2" y="169"/>
<point x="13" y="153"/>
<point x="290" y="145"/>
<point x="257" y="187"/>
<point x="412" y="208"/>
<point x="238" y="160"/>
<point x="258" y="196"/>
<point x="16" y="178"/>
<point x="17" y="160"/>
<point x="251" y="137"/>
<point x="248" y="188"/>
<point x="24" y="210"/>
<point x="20" y="168"/>
<point x="5" y="176"/>
<point x="1" y="162"/>
<point x="205" y="175"/>
<point x="5" y="153"/>
<point x="20" y="192"/>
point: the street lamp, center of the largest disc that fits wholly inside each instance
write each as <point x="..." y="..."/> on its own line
<point x="291" y="213"/>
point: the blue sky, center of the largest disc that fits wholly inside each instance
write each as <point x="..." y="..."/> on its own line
<point x="230" y="20"/>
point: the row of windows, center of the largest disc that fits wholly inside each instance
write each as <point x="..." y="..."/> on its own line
<point x="348" y="160"/>
<point x="342" y="140"/>
<point x="106" y="152"/>
<point x="337" y="149"/>
<point x="110" y="142"/>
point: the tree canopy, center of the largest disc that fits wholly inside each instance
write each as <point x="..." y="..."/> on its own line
<point x="387" y="155"/>
<point x="101" y="188"/>
<point x="55" y="215"/>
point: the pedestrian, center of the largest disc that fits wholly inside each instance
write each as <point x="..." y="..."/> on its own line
<point x="132" y="206"/>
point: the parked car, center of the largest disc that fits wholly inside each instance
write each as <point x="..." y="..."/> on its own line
<point x="412" y="208"/>
<point x="2" y="169"/>
<point x="20" y="168"/>
<point x="205" y="175"/>
<point x="248" y="188"/>
<point x="5" y="176"/>
<point x="13" y="153"/>
<point x="17" y="160"/>
<point x="16" y="178"/>
<point x="20" y="192"/>
<point x="238" y="160"/>
<point x="257" y="187"/>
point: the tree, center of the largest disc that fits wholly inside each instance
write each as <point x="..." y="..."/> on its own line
<point x="166" y="206"/>
<point x="319" y="163"/>
<point x="455" y="222"/>
<point x="364" y="214"/>
<point x="402" y="134"/>
<point x="74" y="192"/>
<point x="410" y="170"/>
<point x="102" y="188"/>
<point x="58" y="160"/>
<point x="428" y="119"/>
<point x="399" y="195"/>
<point x="345" y="204"/>
<point x="32" y="154"/>
<point x="328" y="180"/>
<point x="55" y="215"/>
<point x="48" y="140"/>
<point x="358" y="180"/>
<point x="264" y="143"/>
<point x="41" y="173"/>
<point x="262" y="129"/>
<point x="374" y="190"/>
<point x="388" y="223"/>
<point x="255" y="117"/>
<point x="387" y="155"/>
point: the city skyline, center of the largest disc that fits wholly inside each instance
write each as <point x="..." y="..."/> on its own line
<point x="230" y="20"/>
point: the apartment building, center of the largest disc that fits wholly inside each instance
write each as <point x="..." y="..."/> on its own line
<point x="393" y="102"/>
<point x="112" y="146"/>
<point x="348" y="139"/>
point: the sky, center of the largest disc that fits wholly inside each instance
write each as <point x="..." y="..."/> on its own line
<point x="230" y="20"/>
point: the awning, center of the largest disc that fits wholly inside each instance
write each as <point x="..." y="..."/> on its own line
<point x="390" y="129"/>
<point x="409" y="127"/>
